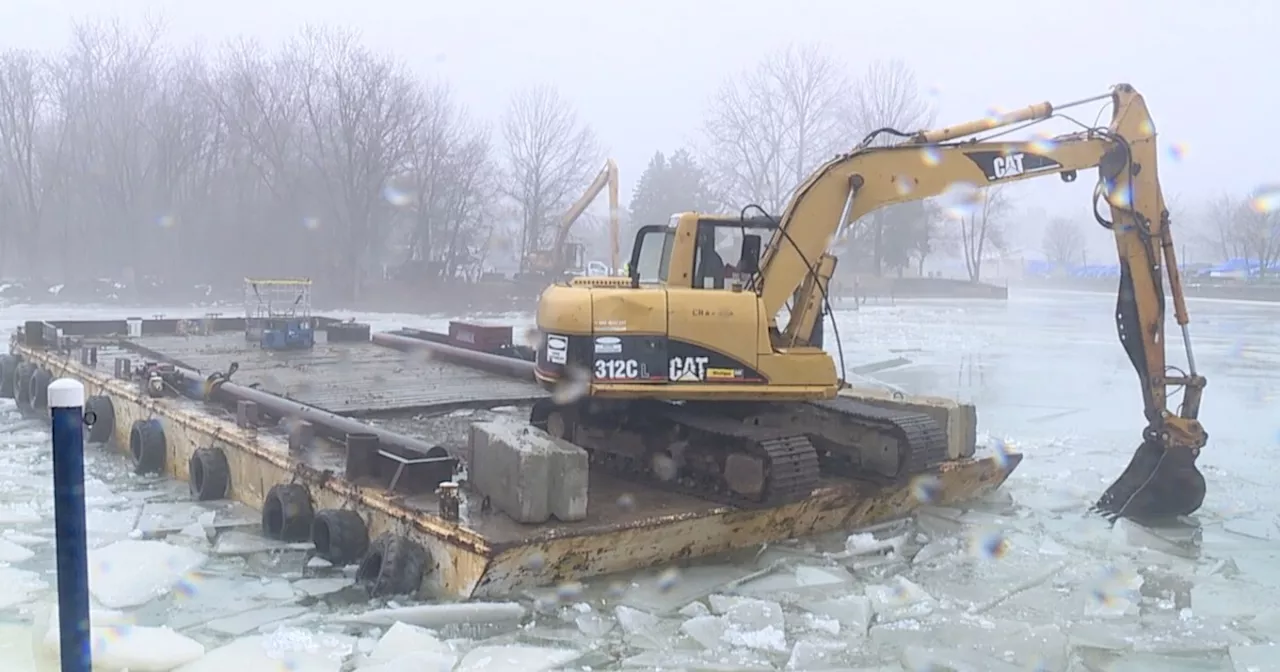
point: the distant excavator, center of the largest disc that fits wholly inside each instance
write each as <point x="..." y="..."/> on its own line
<point x="564" y="257"/>
<point x="690" y="381"/>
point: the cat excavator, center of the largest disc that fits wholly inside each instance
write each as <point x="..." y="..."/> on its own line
<point x="683" y="376"/>
<point x="563" y="256"/>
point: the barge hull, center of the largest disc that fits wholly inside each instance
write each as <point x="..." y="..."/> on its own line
<point x="483" y="554"/>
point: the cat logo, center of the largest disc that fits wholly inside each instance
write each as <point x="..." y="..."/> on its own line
<point x="1009" y="165"/>
<point x="688" y="369"/>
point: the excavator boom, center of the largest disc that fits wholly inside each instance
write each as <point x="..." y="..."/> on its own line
<point x="553" y="259"/>
<point x="931" y="163"/>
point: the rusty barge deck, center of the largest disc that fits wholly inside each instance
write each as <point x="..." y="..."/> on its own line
<point x="352" y="427"/>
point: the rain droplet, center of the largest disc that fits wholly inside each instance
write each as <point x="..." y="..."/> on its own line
<point x="532" y="338"/>
<point x="627" y="502"/>
<point x="668" y="579"/>
<point x="930" y="156"/>
<point x="311" y="223"/>
<point x="574" y="386"/>
<point x="926" y="488"/>
<point x="569" y="591"/>
<point x="1265" y="199"/>
<point x="960" y="200"/>
<point x="397" y="197"/>
<point x="1000" y="450"/>
<point x="1178" y="151"/>
<point x="536" y="562"/>
<point x="664" y="468"/>
<point x="167" y="221"/>
<point x="987" y="544"/>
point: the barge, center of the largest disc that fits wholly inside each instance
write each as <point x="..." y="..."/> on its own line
<point x="362" y="443"/>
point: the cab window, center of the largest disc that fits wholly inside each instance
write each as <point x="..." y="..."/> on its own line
<point x="653" y="256"/>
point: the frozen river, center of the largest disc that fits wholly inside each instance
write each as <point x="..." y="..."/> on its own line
<point x="1022" y="581"/>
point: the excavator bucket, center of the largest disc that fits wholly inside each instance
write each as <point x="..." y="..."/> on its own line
<point x="1159" y="483"/>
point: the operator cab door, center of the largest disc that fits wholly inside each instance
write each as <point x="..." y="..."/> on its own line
<point x="629" y="324"/>
<point x="713" y="325"/>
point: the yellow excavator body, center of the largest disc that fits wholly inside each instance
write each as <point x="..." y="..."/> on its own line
<point x="758" y="416"/>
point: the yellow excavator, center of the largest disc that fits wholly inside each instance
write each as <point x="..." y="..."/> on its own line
<point x="682" y="375"/>
<point x="564" y="257"/>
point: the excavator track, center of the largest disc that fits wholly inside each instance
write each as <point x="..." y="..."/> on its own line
<point x="922" y="443"/>
<point x="789" y="459"/>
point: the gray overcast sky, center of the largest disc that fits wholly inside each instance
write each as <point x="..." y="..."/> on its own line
<point x="642" y="73"/>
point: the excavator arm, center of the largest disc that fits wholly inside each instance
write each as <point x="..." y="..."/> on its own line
<point x="1161" y="480"/>
<point x="608" y="176"/>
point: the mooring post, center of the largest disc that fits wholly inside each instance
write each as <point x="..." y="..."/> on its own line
<point x="66" y="402"/>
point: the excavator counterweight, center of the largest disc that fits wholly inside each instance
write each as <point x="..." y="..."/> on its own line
<point x="690" y="379"/>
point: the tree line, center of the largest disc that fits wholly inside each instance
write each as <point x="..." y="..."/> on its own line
<point x="124" y="157"/>
<point x="1244" y="227"/>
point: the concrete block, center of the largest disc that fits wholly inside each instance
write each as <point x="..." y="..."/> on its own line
<point x="526" y="473"/>
<point x="958" y="420"/>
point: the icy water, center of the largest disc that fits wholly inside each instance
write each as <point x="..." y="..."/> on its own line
<point x="1021" y="581"/>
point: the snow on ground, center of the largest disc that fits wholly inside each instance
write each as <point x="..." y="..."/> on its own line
<point x="1020" y="581"/>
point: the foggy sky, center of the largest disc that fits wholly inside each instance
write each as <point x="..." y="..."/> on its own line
<point x="643" y="73"/>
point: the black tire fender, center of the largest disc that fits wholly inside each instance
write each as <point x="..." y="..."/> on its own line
<point x="8" y="365"/>
<point x="101" y="411"/>
<point x="287" y="513"/>
<point x="208" y="474"/>
<point x="147" y="446"/>
<point x="39" y="393"/>
<point x="22" y="385"/>
<point x="340" y="536"/>
<point x="394" y="565"/>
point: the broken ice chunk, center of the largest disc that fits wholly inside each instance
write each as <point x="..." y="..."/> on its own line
<point x="516" y="657"/>
<point x="290" y="649"/>
<point x="594" y="624"/>
<point x="440" y="615"/>
<point x="644" y="630"/>
<point x="18" y="586"/>
<point x="952" y="660"/>
<point x="756" y="624"/>
<point x="252" y="620"/>
<point x="12" y="552"/>
<point x="706" y="630"/>
<point x="899" y="600"/>
<point x="131" y="573"/>
<point x="133" y="648"/>
<point x="816" y="654"/>
<point x="853" y="612"/>
<point x="236" y="542"/>
<point x="318" y="587"/>
<point x="403" y="643"/>
<point x="1114" y="595"/>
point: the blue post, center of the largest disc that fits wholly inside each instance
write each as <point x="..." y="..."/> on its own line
<point x="66" y="401"/>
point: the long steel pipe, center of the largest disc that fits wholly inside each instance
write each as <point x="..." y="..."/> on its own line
<point x="496" y="364"/>
<point x="326" y="424"/>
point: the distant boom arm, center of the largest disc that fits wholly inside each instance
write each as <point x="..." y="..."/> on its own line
<point x="608" y="176"/>
<point x="928" y="163"/>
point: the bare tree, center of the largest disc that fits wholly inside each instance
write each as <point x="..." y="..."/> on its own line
<point x="1064" y="242"/>
<point x="981" y="215"/>
<point x="887" y="95"/>
<point x="29" y="141"/>
<point x="550" y="155"/>
<point x="451" y="179"/>
<point x="1257" y="232"/>
<point x="770" y="126"/>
